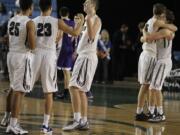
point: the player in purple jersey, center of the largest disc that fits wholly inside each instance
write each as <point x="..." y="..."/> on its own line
<point x="65" y="59"/>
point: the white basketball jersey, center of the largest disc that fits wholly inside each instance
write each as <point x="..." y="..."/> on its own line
<point x="150" y="28"/>
<point x="164" y="48"/>
<point x="17" y="32"/>
<point x="86" y="46"/>
<point x="46" y="32"/>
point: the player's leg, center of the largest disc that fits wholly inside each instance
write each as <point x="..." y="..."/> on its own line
<point x="47" y="112"/>
<point x="142" y="97"/>
<point x="6" y="119"/>
<point x="164" y="67"/>
<point x="17" y="64"/>
<point x="67" y="76"/>
<point x="91" y="65"/>
<point x="152" y="101"/>
<point x="84" y="124"/>
<point x="145" y="69"/>
<point x="65" y="63"/>
<point x="76" y="106"/>
<point x="16" y="104"/>
<point x="48" y="73"/>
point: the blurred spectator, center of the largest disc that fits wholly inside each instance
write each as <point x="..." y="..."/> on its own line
<point x="3" y="14"/>
<point x="122" y="46"/>
<point x="103" y="52"/>
<point x="3" y="29"/>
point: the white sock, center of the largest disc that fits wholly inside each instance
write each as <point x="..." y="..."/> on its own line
<point x="77" y="116"/>
<point x="84" y="120"/>
<point x="160" y="110"/>
<point x="46" y="120"/>
<point x="7" y="114"/>
<point x="13" y="122"/>
<point x="151" y="109"/>
<point x="139" y="110"/>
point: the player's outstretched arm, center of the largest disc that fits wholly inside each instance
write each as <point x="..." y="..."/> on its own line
<point x="67" y="29"/>
<point x="164" y="33"/>
<point x="161" y="24"/>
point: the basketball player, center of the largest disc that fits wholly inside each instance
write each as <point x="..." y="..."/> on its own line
<point x="76" y="42"/>
<point x="84" y="68"/>
<point x="21" y="40"/>
<point x="148" y="58"/>
<point x="163" y="65"/>
<point x="45" y="54"/>
<point x="6" y="119"/>
<point x="65" y="59"/>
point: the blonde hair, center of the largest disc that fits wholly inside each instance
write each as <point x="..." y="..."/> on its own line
<point x="105" y="35"/>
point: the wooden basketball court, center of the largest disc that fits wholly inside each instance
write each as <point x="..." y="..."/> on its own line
<point x="111" y="112"/>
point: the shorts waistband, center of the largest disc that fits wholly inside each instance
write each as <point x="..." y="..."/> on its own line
<point x="150" y="52"/>
<point x="14" y="51"/>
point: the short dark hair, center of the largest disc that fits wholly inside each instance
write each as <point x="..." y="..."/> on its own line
<point x="44" y="5"/>
<point x="96" y="3"/>
<point x="159" y="9"/>
<point x="64" y="11"/>
<point x="25" y="4"/>
<point x="170" y="16"/>
<point x="141" y="25"/>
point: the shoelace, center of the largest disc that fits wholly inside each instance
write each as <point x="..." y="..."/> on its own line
<point x="71" y="122"/>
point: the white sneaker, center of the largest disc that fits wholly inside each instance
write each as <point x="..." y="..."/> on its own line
<point x="5" y="121"/>
<point x="71" y="126"/>
<point x="17" y="130"/>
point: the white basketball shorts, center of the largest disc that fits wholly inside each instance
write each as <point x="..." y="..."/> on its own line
<point x="44" y="66"/>
<point x="20" y="71"/>
<point x="145" y="67"/>
<point x="161" y="70"/>
<point x="83" y="72"/>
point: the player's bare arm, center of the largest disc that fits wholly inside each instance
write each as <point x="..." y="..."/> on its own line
<point x="92" y="28"/>
<point x="74" y="32"/>
<point x="161" y="24"/>
<point x="59" y="36"/>
<point x="164" y="33"/>
<point x="31" y="34"/>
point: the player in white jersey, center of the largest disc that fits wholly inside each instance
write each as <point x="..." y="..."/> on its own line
<point x="21" y="40"/>
<point x="163" y="65"/>
<point x="45" y="54"/>
<point x="148" y="58"/>
<point x="6" y="119"/>
<point x="85" y="67"/>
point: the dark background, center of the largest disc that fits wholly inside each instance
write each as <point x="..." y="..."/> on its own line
<point x="131" y="12"/>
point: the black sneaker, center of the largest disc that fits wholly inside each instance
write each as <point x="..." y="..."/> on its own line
<point x="62" y="95"/>
<point x="151" y="116"/>
<point x="46" y="130"/>
<point x="158" y="118"/>
<point x="89" y="95"/>
<point x="141" y="117"/>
